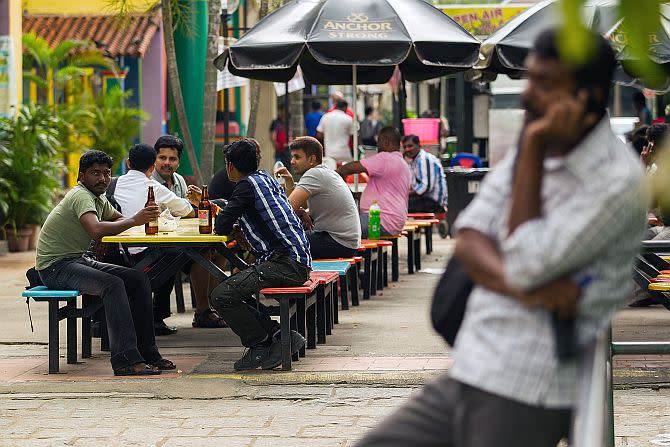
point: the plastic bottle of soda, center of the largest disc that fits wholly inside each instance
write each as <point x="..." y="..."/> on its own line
<point x="374" y="221"/>
<point x="205" y="213"/>
<point x="152" y="226"/>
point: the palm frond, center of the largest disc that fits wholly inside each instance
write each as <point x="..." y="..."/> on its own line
<point x="41" y="82"/>
<point x="68" y="73"/>
<point x="37" y="48"/>
<point x="92" y="57"/>
<point x="65" y="48"/>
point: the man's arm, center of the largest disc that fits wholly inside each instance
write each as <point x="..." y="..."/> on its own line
<point x="177" y="206"/>
<point x="96" y="229"/>
<point x="241" y="200"/>
<point x="482" y="261"/>
<point x="298" y="198"/>
<point x="354" y="167"/>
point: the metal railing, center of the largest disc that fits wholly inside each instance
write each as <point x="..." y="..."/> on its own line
<point x="593" y="420"/>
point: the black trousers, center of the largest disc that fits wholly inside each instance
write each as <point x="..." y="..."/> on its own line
<point x="422" y="204"/>
<point x="234" y="299"/>
<point x="323" y="246"/>
<point x="448" y="413"/>
<point x="126" y="295"/>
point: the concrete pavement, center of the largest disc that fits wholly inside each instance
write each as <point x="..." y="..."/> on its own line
<point x="379" y="354"/>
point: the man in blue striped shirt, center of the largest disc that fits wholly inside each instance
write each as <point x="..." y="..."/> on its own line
<point x="277" y="239"/>
<point x="429" y="188"/>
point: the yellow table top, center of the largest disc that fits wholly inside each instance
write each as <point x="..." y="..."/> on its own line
<point x="665" y="258"/>
<point x="186" y="232"/>
<point x="419" y="223"/>
<point x="410" y="227"/>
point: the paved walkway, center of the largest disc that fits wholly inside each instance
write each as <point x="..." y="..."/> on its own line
<point x="379" y="354"/>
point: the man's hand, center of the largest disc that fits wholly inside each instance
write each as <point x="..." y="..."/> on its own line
<point x="564" y="123"/>
<point x="146" y="215"/>
<point x="239" y="237"/>
<point x="305" y="219"/>
<point x="560" y="296"/>
<point x="646" y="154"/>
<point x="288" y="178"/>
<point x="194" y="194"/>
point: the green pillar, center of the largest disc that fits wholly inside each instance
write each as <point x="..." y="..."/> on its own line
<point x="191" y="47"/>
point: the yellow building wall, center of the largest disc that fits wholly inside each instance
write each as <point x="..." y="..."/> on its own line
<point x="15" y="23"/>
<point x="81" y="6"/>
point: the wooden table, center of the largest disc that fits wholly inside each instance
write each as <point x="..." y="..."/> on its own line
<point x="168" y="252"/>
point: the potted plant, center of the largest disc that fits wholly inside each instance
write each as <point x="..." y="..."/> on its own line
<point x="30" y="171"/>
<point x="4" y="191"/>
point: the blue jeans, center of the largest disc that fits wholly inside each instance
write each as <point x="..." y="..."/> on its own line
<point x="126" y="296"/>
<point x="323" y="246"/>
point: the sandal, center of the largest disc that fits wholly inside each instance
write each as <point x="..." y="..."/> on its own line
<point x="208" y="319"/>
<point x="163" y="365"/>
<point x="131" y="371"/>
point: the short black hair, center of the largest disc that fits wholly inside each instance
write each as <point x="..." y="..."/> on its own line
<point x="368" y="110"/>
<point x="341" y="104"/>
<point x="169" y="141"/>
<point x="596" y="71"/>
<point x="243" y="155"/>
<point x="90" y="158"/>
<point x="316" y="105"/>
<point x="392" y="134"/>
<point x="142" y="157"/>
<point x="413" y="138"/>
<point x="309" y="145"/>
<point x="639" y="99"/>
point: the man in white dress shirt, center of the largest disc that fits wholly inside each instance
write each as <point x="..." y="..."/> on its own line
<point x="334" y="129"/>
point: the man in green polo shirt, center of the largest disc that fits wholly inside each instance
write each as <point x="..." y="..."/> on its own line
<point x="63" y="263"/>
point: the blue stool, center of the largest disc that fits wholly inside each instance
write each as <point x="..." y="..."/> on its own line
<point x="70" y="313"/>
<point x="342" y="269"/>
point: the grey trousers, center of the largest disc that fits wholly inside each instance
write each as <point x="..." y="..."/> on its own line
<point x="448" y="413"/>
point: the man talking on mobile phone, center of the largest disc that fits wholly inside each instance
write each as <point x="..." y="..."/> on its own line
<point x="549" y="242"/>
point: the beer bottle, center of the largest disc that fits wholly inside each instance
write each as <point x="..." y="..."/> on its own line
<point x="151" y="227"/>
<point x="205" y="213"/>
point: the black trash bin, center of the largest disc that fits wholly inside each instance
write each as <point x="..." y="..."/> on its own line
<point x="462" y="185"/>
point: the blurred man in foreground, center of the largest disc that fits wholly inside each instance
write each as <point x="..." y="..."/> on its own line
<point x="549" y="243"/>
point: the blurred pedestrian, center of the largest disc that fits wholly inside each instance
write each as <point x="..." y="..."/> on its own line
<point x="643" y="112"/>
<point x="312" y="118"/>
<point x="534" y="243"/>
<point x="335" y="129"/>
<point x="370" y="127"/>
<point x="279" y="137"/>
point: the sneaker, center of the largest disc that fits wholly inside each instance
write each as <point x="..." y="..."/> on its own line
<point x="297" y="340"/>
<point x="263" y="357"/>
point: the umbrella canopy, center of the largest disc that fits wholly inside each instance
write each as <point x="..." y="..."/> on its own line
<point x="327" y="38"/>
<point x="659" y="40"/>
<point x="505" y="50"/>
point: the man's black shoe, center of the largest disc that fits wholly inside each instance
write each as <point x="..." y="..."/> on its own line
<point x="263" y="357"/>
<point x="297" y="340"/>
<point x="160" y="328"/>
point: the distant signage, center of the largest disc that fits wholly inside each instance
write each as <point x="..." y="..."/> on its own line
<point x="482" y="20"/>
<point x="7" y="78"/>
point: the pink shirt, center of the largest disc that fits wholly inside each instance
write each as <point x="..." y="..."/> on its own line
<point x="389" y="185"/>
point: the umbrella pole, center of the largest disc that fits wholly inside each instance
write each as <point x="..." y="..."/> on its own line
<point x="353" y="109"/>
<point x="287" y="119"/>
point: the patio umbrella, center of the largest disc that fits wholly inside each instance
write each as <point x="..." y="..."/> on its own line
<point x="352" y="41"/>
<point x="505" y="50"/>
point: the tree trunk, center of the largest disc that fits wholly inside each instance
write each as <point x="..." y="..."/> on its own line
<point x="175" y="89"/>
<point x="209" y="110"/>
<point x="254" y="85"/>
<point x="297" y="121"/>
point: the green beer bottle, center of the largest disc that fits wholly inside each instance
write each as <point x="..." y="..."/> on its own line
<point x="374" y="221"/>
